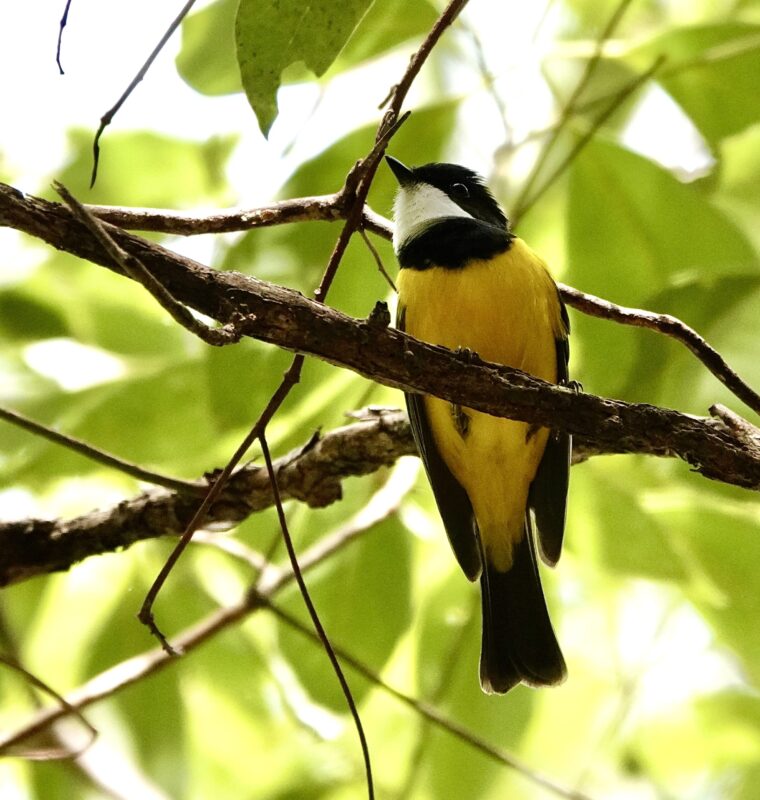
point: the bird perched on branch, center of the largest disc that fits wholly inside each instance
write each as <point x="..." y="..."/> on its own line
<point x="467" y="282"/>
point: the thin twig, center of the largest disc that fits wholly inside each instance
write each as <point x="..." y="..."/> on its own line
<point x="145" y="614"/>
<point x="620" y="98"/>
<point x="61" y="26"/>
<point x="107" y="118"/>
<point x="135" y="269"/>
<point x="354" y="217"/>
<point x="488" y="78"/>
<point x="669" y="326"/>
<point x="434" y="716"/>
<point x="569" y="107"/>
<point x="46" y="753"/>
<point x="358" y="182"/>
<point x="379" y="261"/>
<point x="98" y="455"/>
<point x="316" y="622"/>
<point x="132" y="670"/>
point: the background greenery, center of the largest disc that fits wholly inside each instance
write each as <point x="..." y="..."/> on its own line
<point x="655" y="598"/>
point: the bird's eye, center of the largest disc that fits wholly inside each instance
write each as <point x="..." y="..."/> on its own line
<point x="460" y="190"/>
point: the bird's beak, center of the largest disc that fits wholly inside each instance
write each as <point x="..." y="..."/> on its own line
<point x="403" y="174"/>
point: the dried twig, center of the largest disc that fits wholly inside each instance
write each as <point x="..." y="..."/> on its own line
<point x="61" y="26"/>
<point x="47" y="753"/>
<point x="96" y="454"/>
<point x="107" y="118"/>
<point x="135" y="269"/>
<point x="669" y="326"/>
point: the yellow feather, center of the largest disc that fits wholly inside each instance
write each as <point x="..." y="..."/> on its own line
<point x="506" y="310"/>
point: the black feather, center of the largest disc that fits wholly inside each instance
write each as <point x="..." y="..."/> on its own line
<point x="453" y="242"/>
<point x="548" y="491"/>
<point x="453" y="503"/>
<point x="518" y="639"/>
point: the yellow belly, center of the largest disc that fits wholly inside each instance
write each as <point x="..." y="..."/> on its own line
<point x="507" y="311"/>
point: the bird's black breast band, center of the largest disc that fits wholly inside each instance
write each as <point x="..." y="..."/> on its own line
<point x="452" y="242"/>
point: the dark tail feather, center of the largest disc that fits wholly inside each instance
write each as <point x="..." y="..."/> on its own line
<point x="518" y="640"/>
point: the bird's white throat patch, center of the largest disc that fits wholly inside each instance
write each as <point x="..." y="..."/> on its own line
<point x="419" y="206"/>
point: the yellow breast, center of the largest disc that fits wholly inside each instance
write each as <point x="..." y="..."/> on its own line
<point x="506" y="310"/>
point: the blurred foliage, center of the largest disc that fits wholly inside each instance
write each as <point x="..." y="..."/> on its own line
<point x="655" y="599"/>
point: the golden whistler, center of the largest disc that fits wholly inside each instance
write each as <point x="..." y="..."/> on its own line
<point x="501" y="485"/>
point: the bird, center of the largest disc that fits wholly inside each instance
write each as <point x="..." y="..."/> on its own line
<point x="466" y="282"/>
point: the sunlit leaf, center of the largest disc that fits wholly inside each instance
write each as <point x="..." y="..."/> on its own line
<point x="272" y="34"/>
<point x="710" y="72"/>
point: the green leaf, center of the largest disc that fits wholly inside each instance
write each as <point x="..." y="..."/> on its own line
<point x="613" y="490"/>
<point x="387" y="24"/>
<point x="207" y="59"/>
<point x="148" y="169"/>
<point x="711" y="72"/>
<point x="241" y="379"/>
<point x="634" y="230"/>
<point x="735" y="189"/>
<point x="272" y="34"/>
<point x="717" y="738"/>
<point x="722" y="550"/>
<point x="23" y="317"/>
<point x="208" y="63"/>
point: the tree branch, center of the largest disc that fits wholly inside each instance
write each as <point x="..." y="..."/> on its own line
<point x="329" y="207"/>
<point x="312" y="474"/>
<point x="669" y="326"/>
<point x="287" y="319"/>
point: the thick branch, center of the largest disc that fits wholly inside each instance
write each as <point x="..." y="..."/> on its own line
<point x="331" y="207"/>
<point x="289" y="320"/>
<point x="313" y="474"/>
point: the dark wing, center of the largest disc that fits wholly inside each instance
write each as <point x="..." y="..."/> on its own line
<point x="548" y="492"/>
<point x="452" y="500"/>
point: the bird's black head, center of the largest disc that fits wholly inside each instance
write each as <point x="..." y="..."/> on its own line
<point x="445" y="216"/>
<point x="433" y="192"/>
